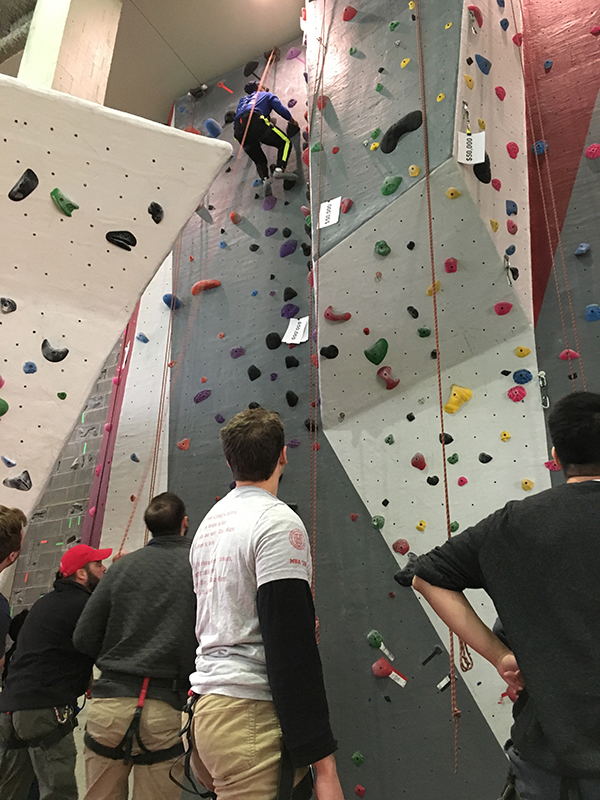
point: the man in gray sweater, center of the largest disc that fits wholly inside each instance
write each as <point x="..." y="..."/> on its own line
<point x="139" y="630"/>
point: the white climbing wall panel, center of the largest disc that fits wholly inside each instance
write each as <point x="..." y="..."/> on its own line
<point x="72" y="286"/>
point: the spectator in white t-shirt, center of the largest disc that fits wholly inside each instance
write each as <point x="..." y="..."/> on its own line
<point x="263" y="707"/>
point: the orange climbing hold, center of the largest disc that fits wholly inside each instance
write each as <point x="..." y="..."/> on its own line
<point x="205" y="285"/>
<point x="349" y="13"/>
<point x="191" y="129"/>
<point x="330" y="315"/>
<point x="235" y="217"/>
<point x="184" y="444"/>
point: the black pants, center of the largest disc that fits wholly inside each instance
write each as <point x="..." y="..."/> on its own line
<point x="262" y="131"/>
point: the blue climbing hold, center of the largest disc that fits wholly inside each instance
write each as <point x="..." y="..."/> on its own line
<point x="540" y="147"/>
<point x="169" y="299"/>
<point x="254" y="293"/>
<point x="510" y="251"/>
<point x="257" y="182"/>
<point x="222" y="245"/>
<point x="29" y="368"/>
<point x="548" y="64"/>
<point x="8" y="461"/>
<point x="511" y="207"/>
<point x="501" y="3"/>
<point x="134" y="457"/>
<point x="582" y="249"/>
<point x="141" y="337"/>
<point x="592" y="312"/>
<point x="484" y="64"/>
<point x="213" y="128"/>
<point x="181" y="109"/>
<point x="504" y="23"/>
<point x="522" y="376"/>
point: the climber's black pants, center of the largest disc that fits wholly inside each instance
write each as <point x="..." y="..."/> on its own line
<point x="262" y="131"/>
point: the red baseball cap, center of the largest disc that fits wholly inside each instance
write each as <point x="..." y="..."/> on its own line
<point x="77" y="557"/>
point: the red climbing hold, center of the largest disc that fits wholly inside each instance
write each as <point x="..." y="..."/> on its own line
<point x="502" y="308"/>
<point x="513" y="149"/>
<point x="595" y="30"/>
<point x="316" y="446"/>
<point x="310" y="278"/>
<point x="184" y="444"/>
<point x="353" y="517"/>
<point x="346" y="205"/>
<point x="328" y="314"/>
<point x="171" y="364"/>
<point x="500" y="92"/>
<point x="568" y="355"/>
<point x="401" y="546"/>
<point x="314" y="360"/>
<point x="477" y="14"/>
<point x="517" y="393"/>
<point x="305" y="156"/>
<point x="385" y="373"/>
<point x="462" y="481"/>
<point x="366" y="331"/>
<point x="203" y="286"/>
<point x="235" y="217"/>
<point x="322" y="100"/>
<point x="518" y="39"/>
<point x="203" y="379"/>
<point x="191" y="129"/>
<point x="382" y="668"/>
<point x="349" y="13"/>
<point x="450" y="265"/>
<point x="335" y="150"/>
<point x="497" y="184"/>
<point x="191" y="258"/>
<point x="511" y="226"/>
<point x="593" y="151"/>
<point x="359" y="790"/>
<point x="418" y="461"/>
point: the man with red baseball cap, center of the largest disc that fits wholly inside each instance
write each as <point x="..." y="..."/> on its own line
<point x="38" y="703"/>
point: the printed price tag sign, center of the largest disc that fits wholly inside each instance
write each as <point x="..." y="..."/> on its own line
<point x="297" y="331"/>
<point x="471" y="148"/>
<point x="398" y="678"/>
<point x="329" y="213"/>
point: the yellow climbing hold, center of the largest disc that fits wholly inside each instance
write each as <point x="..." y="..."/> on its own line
<point x="448" y="26"/>
<point x="453" y="193"/>
<point x="494" y="224"/>
<point x="414" y="171"/>
<point x="374" y="146"/>
<point x="469" y="81"/>
<point x="481" y="123"/>
<point x="505" y="436"/>
<point x="440" y="97"/>
<point x="527" y="485"/>
<point x="405" y="62"/>
<point x="521" y="352"/>
<point x="431" y="289"/>
<point x="412" y="5"/>
<point x="458" y="396"/>
<point x="421" y="525"/>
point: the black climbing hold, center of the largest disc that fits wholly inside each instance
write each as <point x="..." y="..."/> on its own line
<point x="447" y="439"/>
<point x="228" y="169"/>
<point x="222" y="230"/>
<point x="253" y="248"/>
<point x="483" y="171"/>
<point x="307" y="230"/>
<point x="311" y="425"/>
<point x="572" y="377"/>
<point x="413" y="17"/>
<point x="380" y="70"/>
<point x="433" y="480"/>
<point x="254" y="373"/>
<point x="329" y="352"/>
<point x="506" y="372"/>
<point x="410" y="417"/>
<point x="291" y="361"/>
<point x="273" y="340"/>
<point x="123" y="239"/>
<point x="410" y="122"/>
<point x="286" y="233"/>
<point x="387" y="698"/>
<point x="434" y="354"/>
<point x="385" y="503"/>
<point x="306" y="248"/>
<point x="289" y="293"/>
<point x="156" y="211"/>
<point x="21" y="482"/>
<point x="413" y="312"/>
<point x="286" y="202"/>
<point x="7" y="306"/>
<point x="253" y="404"/>
<point x="229" y="117"/>
<point x="309" y="265"/>
<point x="24" y="186"/>
<point x="405" y="575"/>
<point x="292" y="398"/>
<point x="257" y="196"/>
<point x="514" y="273"/>
<point x="271" y="277"/>
<point x="485" y="458"/>
<point x="411" y="245"/>
<point x="469" y="61"/>
<point x="54" y="354"/>
<point x="250" y="69"/>
<point x="211" y="208"/>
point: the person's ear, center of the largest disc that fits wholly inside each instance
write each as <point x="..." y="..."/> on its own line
<point x="556" y="458"/>
<point x="185" y="524"/>
<point x="283" y="457"/>
<point x="12" y="557"/>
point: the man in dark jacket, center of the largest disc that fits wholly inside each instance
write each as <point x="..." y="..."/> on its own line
<point x="139" y="630"/>
<point x="45" y="677"/>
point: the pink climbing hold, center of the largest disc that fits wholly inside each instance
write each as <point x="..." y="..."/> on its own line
<point x="92" y="511"/>
<point x="517" y="393"/>
<point x="518" y="39"/>
<point x="511" y="226"/>
<point x="305" y="156"/>
<point x="477" y="14"/>
<point x="497" y="184"/>
<point x="385" y="373"/>
<point x="314" y="360"/>
<point x="568" y="355"/>
<point x="595" y="30"/>
<point x="359" y="790"/>
<point x="349" y="13"/>
<point x="305" y="211"/>
<point x="335" y="150"/>
<point x="108" y="427"/>
<point x="513" y="149"/>
<point x="450" y="265"/>
<point x="552" y="466"/>
<point x="311" y="279"/>
<point x="98" y="470"/>
<point x="322" y="101"/>
<point x="353" y="517"/>
<point x="401" y="546"/>
<point x="2" y="381"/>
<point x="418" y="461"/>
<point x="593" y="151"/>
<point x="330" y="315"/>
<point x="462" y="481"/>
<point x="346" y="205"/>
<point x="500" y="92"/>
<point x="502" y="308"/>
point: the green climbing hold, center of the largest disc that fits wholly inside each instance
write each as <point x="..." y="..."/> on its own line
<point x="377" y="352"/>
<point x="375" y="639"/>
<point x="352" y="51"/>
<point x="375" y="133"/>
<point x="316" y="148"/>
<point x="379" y="87"/>
<point x="389" y="439"/>
<point x="453" y="459"/>
<point x="424" y="332"/>
<point x="382" y="248"/>
<point x="62" y="395"/>
<point x="3" y="407"/>
<point x="377" y="522"/>
<point x="358" y="758"/>
<point x="308" y="221"/>
<point x="394" y="24"/>
<point x="62" y="201"/>
<point x="454" y="526"/>
<point x="390" y="185"/>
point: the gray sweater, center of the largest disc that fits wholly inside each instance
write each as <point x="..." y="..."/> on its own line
<point x="140" y="622"/>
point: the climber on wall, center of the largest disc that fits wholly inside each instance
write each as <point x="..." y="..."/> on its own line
<point x="252" y="122"/>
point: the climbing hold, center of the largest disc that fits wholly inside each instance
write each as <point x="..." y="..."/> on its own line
<point x="568" y="355"/>
<point x="510" y="251"/>
<point x="592" y="312"/>
<point x="253" y="373"/>
<point x="292" y="398"/>
<point x="513" y="149"/>
<point x="500" y="92"/>
<point x="359" y="790"/>
<point x="511" y="226"/>
<point x="527" y="485"/>
<point x="8" y="461"/>
<point x="61" y="395"/>
<point x="374" y="146"/>
<point x="404" y="63"/>
<point x="505" y="436"/>
<point x="511" y="207"/>
<point x="156" y="211"/>
<point x="389" y="439"/>
<point x="270" y="231"/>
<point x="582" y="249"/>
<point x="269" y="203"/>
<point x="481" y="123"/>
<point x="485" y="458"/>
<point x="593" y="151"/>
<point x="390" y="185"/>
<point x="414" y="171"/>
<point x="322" y="101"/>
<point x="346" y="205"/>
<point x="522" y="352"/>
<point x="352" y="51"/>
<point x="24" y="186"/>
<point x="446" y="439"/>
<point x="462" y="481"/>
<point x="401" y="546"/>
<point x="410" y="245"/>
<point x="273" y="340"/>
<point x="433" y="288"/>
<point x="450" y="265"/>
<point x="54" y="354"/>
<point x="7" y="306"/>
<point x="306" y="248"/>
<point x="483" y="63"/>
<point x="21" y="482"/>
<point x="330" y="315"/>
<point x="483" y="170"/>
<point x="184" y="444"/>
<point x="205" y="285"/>
<point x="418" y="461"/>
<point x="433" y="480"/>
<point x="476" y="12"/>
<point x="453" y="193"/>
<point x="518" y="39"/>
<point x="424" y="331"/>
<point x="377" y="352"/>
<point x="203" y="395"/>
<point x="123" y="239"/>
<point x="29" y="367"/>
<point x="289" y="293"/>
<point x="421" y="525"/>
<point x="221" y="335"/>
<point x="410" y="417"/>
<point x="288" y="248"/>
<point x="331" y="351"/>
<point x="540" y="147"/>
<point x="441" y="96"/>
<point x="394" y="24"/>
<point x="235" y="217"/>
<point x="3" y="407"/>
<point x="379" y="87"/>
<point x="469" y="81"/>
<point x="552" y="466"/>
<point x="413" y="312"/>
<point x="141" y="337"/>
<point x="358" y="758"/>
<point x="453" y="459"/>
<point x="316" y="148"/>
<point x="385" y="373"/>
<point x="135" y="458"/>
<point x="289" y="310"/>
<point x="548" y="63"/>
<point x="171" y="300"/>
<point x="62" y="201"/>
<point x="504" y="23"/>
<point x="291" y="362"/>
<point x="517" y="393"/>
<point x="522" y="376"/>
<point x="502" y="309"/>
<point x="382" y="248"/>
<point x="497" y="184"/>
<point x="458" y="396"/>
<point x="349" y="13"/>
<point x="448" y="26"/>
<point x="237" y="352"/>
<point x="222" y="245"/>
<point x="377" y="521"/>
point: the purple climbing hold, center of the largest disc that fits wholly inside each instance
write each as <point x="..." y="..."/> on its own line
<point x="288" y="248"/>
<point x="273" y="376"/>
<point x="236" y="352"/>
<point x="220" y="418"/>
<point x="289" y="310"/>
<point x="202" y="395"/>
<point x="293" y="443"/>
<point x="269" y="202"/>
<point x="292" y="53"/>
<point x="291" y="103"/>
<point x="270" y="231"/>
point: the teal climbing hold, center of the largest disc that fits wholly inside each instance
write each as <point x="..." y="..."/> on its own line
<point x="377" y="522"/>
<point x="382" y="248"/>
<point x="377" y="352"/>
<point x="62" y="201"/>
<point x="391" y="184"/>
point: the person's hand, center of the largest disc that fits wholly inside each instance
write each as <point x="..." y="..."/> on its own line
<point x="119" y="555"/>
<point x="509" y="671"/>
<point x="327" y="783"/>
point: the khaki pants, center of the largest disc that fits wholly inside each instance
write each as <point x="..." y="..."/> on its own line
<point x="237" y="747"/>
<point x="107" y="778"/>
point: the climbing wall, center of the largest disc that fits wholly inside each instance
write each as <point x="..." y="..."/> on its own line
<point x="384" y="426"/>
<point x="74" y="267"/>
<point x="219" y="347"/>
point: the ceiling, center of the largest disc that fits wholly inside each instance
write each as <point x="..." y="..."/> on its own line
<point x="163" y="49"/>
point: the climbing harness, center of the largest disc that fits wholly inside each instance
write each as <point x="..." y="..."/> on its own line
<point x="66" y="717"/>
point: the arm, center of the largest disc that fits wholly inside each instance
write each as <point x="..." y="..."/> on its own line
<point x="88" y="636"/>
<point x="278" y="106"/>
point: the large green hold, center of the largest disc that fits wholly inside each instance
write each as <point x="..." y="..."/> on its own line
<point x="62" y="201"/>
<point x="391" y="184"/>
<point x="377" y="521"/>
<point x="394" y="24"/>
<point x="3" y="407"/>
<point x="382" y="248"/>
<point x="316" y="148"/>
<point x="377" y="352"/>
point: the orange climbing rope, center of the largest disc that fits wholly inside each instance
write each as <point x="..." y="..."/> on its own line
<point x="466" y="660"/>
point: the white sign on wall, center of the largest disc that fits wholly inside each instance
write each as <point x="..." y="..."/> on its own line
<point x="471" y="148"/>
<point x="329" y="212"/>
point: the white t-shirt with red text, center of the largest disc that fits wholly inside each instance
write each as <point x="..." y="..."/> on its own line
<point x="249" y="538"/>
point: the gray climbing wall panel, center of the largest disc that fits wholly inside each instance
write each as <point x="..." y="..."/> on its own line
<point x="408" y="740"/>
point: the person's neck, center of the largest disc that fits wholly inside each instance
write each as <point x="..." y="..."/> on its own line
<point x="270" y="485"/>
<point x="582" y="478"/>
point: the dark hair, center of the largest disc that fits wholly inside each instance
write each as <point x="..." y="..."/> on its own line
<point x="252" y="442"/>
<point x="12" y="522"/>
<point x="164" y="515"/>
<point x="574" y="425"/>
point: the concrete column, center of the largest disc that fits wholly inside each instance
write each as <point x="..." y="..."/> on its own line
<point x="70" y="46"/>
